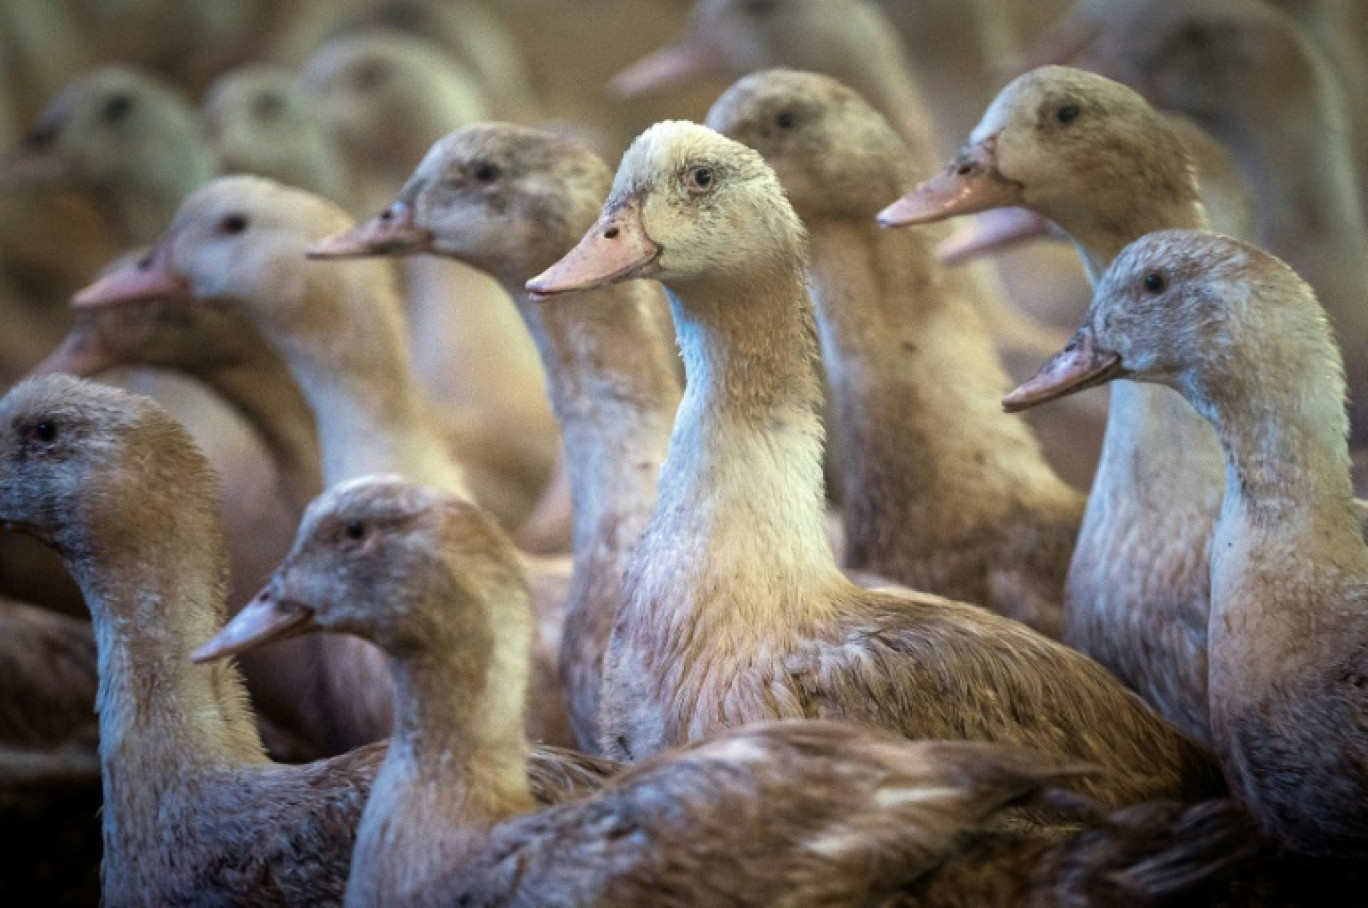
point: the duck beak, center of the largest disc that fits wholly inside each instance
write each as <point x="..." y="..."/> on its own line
<point x="993" y="231"/>
<point x="969" y="185"/>
<point x="262" y="620"/>
<point x="81" y="353"/>
<point x="691" y="57"/>
<point x="391" y="232"/>
<point x="616" y="248"/>
<point x="150" y="277"/>
<point x="1079" y="366"/>
<point x="27" y="164"/>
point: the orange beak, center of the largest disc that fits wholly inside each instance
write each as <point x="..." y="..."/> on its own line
<point x="616" y="248"/>
<point x="391" y="232"/>
<point x="1079" y="366"/>
<point x="691" y="57"/>
<point x="970" y="185"/>
<point x="262" y="620"/>
<point x="150" y="277"/>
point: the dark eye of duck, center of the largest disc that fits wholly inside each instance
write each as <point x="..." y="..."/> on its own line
<point x="1155" y="283"/>
<point x="1067" y="113"/>
<point x="355" y="529"/>
<point x="784" y="120"/>
<point x="268" y="106"/>
<point x="370" y="75"/>
<point x="232" y="224"/>
<point x="116" y="108"/>
<point x="701" y="178"/>
<point x="45" y="430"/>
<point x="487" y="172"/>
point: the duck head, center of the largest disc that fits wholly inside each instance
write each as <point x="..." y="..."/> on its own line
<point x="1067" y="144"/>
<point x="1180" y="308"/>
<point x="834" y="154"/>
<point x="503" y="198"/>
<point x="398" y="564"/>
<point x="241" y="238"/>
<point x="116" y="129"/>
<point x="95" y="471"/>
<point x="687" y="204"/>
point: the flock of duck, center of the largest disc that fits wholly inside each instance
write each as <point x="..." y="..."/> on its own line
<point x="644" y="636"/>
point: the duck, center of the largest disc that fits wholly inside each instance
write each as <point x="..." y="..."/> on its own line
<point x="119" y="488"/>
<point x="257" y="119"/>
<point x="126" y="138"/>
<point x="1247" y="73"/>
<point x="854" y="42"/>
<point x="1203" y="315"/>
<point x="734" y="610"/>
<point x="218" y="345"/>
<point x="451" y="817"/>
<point x="1137" y="592"/>
<point x="970" y="511"/>
<point x="385" y="97"/>
<point x="339" y="329"/>
<point x="510" y="200"/>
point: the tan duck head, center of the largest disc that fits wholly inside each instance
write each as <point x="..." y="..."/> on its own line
<point x="1072" y="146"/>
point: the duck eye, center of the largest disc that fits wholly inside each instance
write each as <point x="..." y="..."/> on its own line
<point x="701" y="178"/>
<point x="116" y="108"/>
<point x="1155" y="283"/>
<point x="370" y="75"/>
<point x="486" y="172"/>
<point x="268" y="106"/>
<point x="45" y="430"/>
<point x="1068" y="113"/>
<point x="356" y="529"/>
<point x="232" y="224"/>
<point x="784" y="120"/>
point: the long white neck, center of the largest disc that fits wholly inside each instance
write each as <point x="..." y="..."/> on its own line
<point x="371" y="417"/>
<point x="741" y="492"/>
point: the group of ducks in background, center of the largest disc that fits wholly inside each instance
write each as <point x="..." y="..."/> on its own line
<point x="591" y="642"/>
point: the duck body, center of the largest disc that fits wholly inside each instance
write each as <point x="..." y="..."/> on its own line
<point x="1138" y="588"/>
<point x="733" y="610"/>
<point x="1289" y="632"/>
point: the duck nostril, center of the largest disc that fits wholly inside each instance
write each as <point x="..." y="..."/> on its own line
<point x="965" y="169"/>
<point x="387" y="215"/>
<point x="611" y="233"/>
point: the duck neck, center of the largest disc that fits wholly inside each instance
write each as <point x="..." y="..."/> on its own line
<point x="457" y="760"/>
<point x="744" y="470"/>
<point x="615" y="393"/>
<point x="266" y="395"/>
<point x="370" y="415"/>
<point x="1100" y="237"/>
<point x="152" y="600"/>
<point x="888" y="83"/>
<point x="902" y="350"/>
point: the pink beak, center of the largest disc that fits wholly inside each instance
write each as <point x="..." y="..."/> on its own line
<point x="993" y="231"/>
<point x="970" y="185"/>
<point x="691" y="57"/>
<point x="262" y="620"/>
<point x="1079" y="366"/>
<point x="391" y="232"/>
<point x="616" y="248"/>
<point x="25" y="164"/>
<point x="81" y="353"/>
<point x="150" y="277"/>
